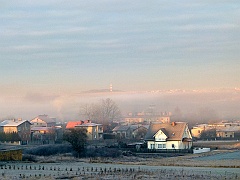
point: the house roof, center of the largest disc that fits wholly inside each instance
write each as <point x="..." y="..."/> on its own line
<point x="72" y="124"/>
<point x="88" y="125"/>
<point x="13" y="123"/>
<point x="41" y="128"/>
<point x="172" y="131"/>
<point x="141" y="127"/>
<point x="45" y="118"/>
<point x="121" y="128"/>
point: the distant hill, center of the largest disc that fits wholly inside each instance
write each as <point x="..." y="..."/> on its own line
<point x="100" y="91"/>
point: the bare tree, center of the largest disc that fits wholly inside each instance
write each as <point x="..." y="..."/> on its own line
<point x="90" y="111"/>
<point x="109" y="111"/>
<point x="104" y="112"/>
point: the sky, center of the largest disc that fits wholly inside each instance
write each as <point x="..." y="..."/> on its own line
<point x="52" y="49"/>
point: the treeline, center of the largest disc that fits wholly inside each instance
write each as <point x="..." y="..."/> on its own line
<point x="9" y="136"/>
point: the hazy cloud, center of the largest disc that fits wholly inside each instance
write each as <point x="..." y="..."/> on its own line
<point x="64" y="47"/>
<point x="40" y="98"/>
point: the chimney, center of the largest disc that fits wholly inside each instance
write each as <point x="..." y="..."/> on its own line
<point x="173" y="123"/>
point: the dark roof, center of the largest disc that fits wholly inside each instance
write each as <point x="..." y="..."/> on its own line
<point x="172" y="131"/>
<point x="121" y="128"/>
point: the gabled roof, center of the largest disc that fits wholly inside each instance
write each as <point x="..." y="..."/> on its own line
<point x="174" y="131"/>
<point x="163" y="130"/>
<point x="45" y="118"/>
<point x="12" y="123"/>
<point x="121" y="128"/>
<point x="141" y="127"/>
<point x="72" y="124"/>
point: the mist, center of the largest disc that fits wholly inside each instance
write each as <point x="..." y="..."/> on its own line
<point x="190" y="106"/>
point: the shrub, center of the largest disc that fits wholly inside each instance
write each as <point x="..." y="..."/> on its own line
<point x="27" y="157"/>
<point x="48" y="150"/>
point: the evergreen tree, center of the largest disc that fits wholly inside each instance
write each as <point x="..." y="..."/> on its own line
<point x="77" y="138"/>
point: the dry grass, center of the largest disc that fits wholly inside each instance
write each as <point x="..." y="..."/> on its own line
<point x="185" y="161"/>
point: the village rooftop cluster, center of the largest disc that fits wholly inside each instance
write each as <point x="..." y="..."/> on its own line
<point x="157" y="132"/>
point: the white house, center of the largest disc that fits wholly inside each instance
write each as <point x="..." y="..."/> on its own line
<point x="174" y="136"/>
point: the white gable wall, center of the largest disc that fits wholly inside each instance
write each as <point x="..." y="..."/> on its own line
<point x="187" y="133"/>
<point x="160" y="136"/>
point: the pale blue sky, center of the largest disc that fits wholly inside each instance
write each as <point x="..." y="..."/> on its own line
<point x="73" y="46"/>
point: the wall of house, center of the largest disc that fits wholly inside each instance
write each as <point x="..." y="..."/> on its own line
<point x="38" y="123"/>
<point x="169" y="145"/>
<point x="99" y="132"/>
<point x="134" y="120"/>
<point x="90" y="132"/>
<point x="160" y="136"/>
<point x="165" y="119"/>
<point x="225" y="134"/>
<point x="187" y="133"/>
<point x="10" y="129"/>
<point x="196" y="132"/>
<point x="93" y="132"/>
<point x="51" y="124"/>
<point x="24" y="131"/>
<point x="165" y="145"/>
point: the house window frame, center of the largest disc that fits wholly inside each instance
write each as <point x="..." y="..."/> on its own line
<point x="152" y="146"/>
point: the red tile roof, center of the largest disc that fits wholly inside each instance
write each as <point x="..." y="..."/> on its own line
<point x="72" y="124"/>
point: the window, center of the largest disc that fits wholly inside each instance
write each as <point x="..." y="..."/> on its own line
<point x="161" y="139"/>
<point x="161" y="146"/>
<point x="152" y="146"/>
<point x="173" y="146"/>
